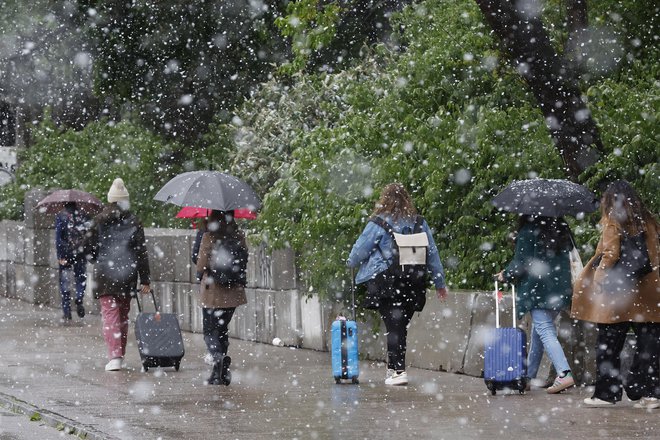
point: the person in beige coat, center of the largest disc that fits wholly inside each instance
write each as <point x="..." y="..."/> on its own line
<point x="221" y="268"/>
<point x="605" y="294"/>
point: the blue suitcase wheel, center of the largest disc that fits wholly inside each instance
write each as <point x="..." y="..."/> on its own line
<point x="337" y="380"/>
<point x="355" y="380"/>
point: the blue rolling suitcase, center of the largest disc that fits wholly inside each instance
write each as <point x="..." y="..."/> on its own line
<point x="505" y="358"/>
<point x="345" y="362"/>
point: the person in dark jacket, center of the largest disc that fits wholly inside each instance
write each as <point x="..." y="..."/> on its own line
<point x="541" y="272"/>
<point x="117" y="244"/>
<point x="218" y="300"/>
<point x="70" y="229"/>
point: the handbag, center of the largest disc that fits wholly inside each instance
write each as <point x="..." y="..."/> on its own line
<point x="633" y="263"/>
<point x="576" y="264"/>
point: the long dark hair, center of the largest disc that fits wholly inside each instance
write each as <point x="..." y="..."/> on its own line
<point x="395" y="201"/>
<point x="552" y="232"/>
<point x="621" y="205"/>
<point x="221" y="224"/>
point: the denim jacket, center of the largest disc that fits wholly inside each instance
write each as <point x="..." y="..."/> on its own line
<point x="373" y="251"/>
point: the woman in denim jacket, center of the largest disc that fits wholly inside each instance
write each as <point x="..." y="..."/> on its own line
<point x="395" y="299"/>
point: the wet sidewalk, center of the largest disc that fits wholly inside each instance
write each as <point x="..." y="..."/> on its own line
<point x="286" y="393"/>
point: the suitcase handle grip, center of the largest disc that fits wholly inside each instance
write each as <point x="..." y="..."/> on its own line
<point x="497" y="304"/>
<point x="153" y="297"/>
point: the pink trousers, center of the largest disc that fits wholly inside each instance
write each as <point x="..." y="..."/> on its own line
<point x="114" y="312"/>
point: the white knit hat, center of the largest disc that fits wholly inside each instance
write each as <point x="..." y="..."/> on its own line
<point x="117" y="191"/>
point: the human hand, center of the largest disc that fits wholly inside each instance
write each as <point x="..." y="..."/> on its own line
<point x="146" y="288"/>
<point x="62" y="262"/>
<point x="499" y="276"/>
<point x="441" y="293"/>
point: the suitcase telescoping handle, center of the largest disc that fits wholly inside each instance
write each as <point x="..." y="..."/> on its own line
<point x="153" y="297"/>
<point x="497" y="304"/>
<point x="353" y="292"/>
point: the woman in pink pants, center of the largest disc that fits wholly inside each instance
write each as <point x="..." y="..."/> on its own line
<point x="118" y="247"/>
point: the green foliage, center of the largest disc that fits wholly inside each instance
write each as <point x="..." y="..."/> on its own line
<point x="181" y="62"/>
<point x="90" y="159"/>
<point x="448" y="118"/>
<point x="311" y="27"/>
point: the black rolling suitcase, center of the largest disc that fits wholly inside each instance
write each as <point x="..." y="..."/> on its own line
<point x="158" y="337"/>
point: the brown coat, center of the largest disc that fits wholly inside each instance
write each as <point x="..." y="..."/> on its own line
<point x="213" y="295"/>
<point x="637" y="304"/>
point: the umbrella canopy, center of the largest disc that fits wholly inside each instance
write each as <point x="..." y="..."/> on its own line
<point x="546" y="197"/>
<point x="209" y="189"/>
<point x="85" y="202"/>
<point x="192" y="212"/>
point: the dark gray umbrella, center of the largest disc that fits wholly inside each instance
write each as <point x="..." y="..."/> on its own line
<point x="546" y="197"/>
<point x="54" y="202"/>
<point x="209" y="189"/>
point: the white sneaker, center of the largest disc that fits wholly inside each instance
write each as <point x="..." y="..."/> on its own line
<point x="397" y="379"/>
<point x="390" y="372"/>
<point x="208" y="359"/>
<point x="113" y="365"/>
<point x="594" y="401"/>
<point x="648" y="403"/>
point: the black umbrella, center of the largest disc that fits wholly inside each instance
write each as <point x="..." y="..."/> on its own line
<point x="546" y="197"/>
<point x="209" y="189"/>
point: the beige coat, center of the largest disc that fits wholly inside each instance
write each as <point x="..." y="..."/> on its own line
<point x="637" y="304"/>
<point x="213" y="295"/>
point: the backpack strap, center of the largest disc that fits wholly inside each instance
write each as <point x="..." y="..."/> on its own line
<point x="383" y="224"/>
<point x="419" y="221"/>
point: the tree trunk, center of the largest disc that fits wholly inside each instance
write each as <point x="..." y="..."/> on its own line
<point x="570" y="123"/>
<point x="576" y="25"/>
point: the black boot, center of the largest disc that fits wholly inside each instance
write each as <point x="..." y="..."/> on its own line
<point x="214" y="379"/>
<point x="80" y="309"/>
<point x="225" y="373"/>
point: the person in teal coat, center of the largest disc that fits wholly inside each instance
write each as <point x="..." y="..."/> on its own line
<point x="541" y="272"/>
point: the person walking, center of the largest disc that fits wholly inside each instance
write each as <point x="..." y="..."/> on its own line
<point x="395" y="297"/>
<point x="617" y="298"/>
<point x="70" y="228"/>
<point x="118" y="248"/>
<point x="221" y="270"/>
<point x="541" y="272"/>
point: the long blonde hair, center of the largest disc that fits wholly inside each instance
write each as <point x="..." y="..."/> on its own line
<point x="395" y="201"/>
<point x="621" y="205"/>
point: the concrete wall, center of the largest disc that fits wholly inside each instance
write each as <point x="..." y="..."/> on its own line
<point x="445" y="336"/>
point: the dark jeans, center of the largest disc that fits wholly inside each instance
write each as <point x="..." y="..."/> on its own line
<point x="643" y="379"/>
<point x="77" y="270"/>
<point x="216" y="333"/>
<point x="396" y="317"/>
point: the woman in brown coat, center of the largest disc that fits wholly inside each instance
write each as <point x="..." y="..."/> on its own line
<point x="221" y="268"/>
<point x="605" y="294"/>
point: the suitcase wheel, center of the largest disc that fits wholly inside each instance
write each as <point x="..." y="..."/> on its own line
<point x="355" y="380"/>
<point x="521" y="386"/>
<point x="176" y="366"/>
<point x="337" y="380"/>
<point x="491" y="386"/>
<point x="145" y="368"/>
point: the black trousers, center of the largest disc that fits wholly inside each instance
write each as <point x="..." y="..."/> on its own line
<point x="215" y="324"/>
<point x="643" y="379"/>
<point x="396" y="316"/>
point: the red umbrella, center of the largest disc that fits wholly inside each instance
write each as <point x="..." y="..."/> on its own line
<point x="85" y="202"/>
<point x="193" y="212"/>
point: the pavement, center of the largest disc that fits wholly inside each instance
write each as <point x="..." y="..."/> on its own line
<point x="54" y="375"/>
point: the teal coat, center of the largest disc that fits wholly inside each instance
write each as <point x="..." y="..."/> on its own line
<point x="542" y="278"/>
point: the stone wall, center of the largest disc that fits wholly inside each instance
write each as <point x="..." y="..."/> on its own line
<point x="445" y="336"/>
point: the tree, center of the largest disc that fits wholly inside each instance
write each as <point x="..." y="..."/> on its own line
<point x="548" y="75"/>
